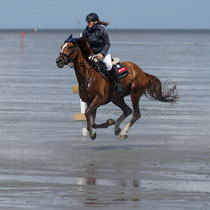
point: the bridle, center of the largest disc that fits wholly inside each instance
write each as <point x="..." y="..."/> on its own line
<point x="69" y="58"/>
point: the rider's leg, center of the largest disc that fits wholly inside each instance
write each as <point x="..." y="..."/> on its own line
<point x="108" y="61"/>
<point x="112" y="72"/>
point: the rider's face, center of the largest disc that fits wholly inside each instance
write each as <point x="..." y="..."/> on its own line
<point x="91" y="24"/>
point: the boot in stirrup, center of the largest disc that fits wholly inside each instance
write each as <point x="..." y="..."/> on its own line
<point x="115" y="78"/>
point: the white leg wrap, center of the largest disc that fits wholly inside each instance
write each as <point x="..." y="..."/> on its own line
<point x="126" y="129"/>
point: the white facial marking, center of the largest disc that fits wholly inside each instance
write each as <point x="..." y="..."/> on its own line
<point x="64" y="47"/>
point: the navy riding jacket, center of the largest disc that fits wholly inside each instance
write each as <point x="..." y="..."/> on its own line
<point x="98" y="39"/>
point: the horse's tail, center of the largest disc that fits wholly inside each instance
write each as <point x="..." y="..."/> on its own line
<point x="155" y="90"/>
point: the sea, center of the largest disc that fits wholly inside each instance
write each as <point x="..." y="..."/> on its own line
<point x="46" y="163"/>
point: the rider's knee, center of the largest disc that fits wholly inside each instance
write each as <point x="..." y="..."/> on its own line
<point x="108" y="66"/>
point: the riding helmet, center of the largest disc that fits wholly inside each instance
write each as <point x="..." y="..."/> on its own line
<point x="92" y="17"/>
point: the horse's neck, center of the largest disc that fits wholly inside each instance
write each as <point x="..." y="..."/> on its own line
<point x="82" y="68"/>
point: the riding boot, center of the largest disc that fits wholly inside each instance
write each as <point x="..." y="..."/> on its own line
<point x="114" y="76"/>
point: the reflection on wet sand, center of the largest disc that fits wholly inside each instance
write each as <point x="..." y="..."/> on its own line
<point x="106" y="182"/>
<point x="97" y="195"/>
<point x="118" y="197"/>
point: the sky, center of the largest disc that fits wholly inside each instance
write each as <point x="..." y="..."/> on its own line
<point x="121" y="14"/>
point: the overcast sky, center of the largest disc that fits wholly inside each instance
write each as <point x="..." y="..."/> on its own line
<point x="122" y="14"/>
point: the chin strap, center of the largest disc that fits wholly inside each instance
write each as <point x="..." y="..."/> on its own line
<point x="90" y="29"/>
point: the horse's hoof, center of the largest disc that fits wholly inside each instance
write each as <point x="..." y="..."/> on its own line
<point x="93" y="137"/>
<point x="123" y="137"/>
<point x="94" y="126"/>
<point x="110" y="122"/>
<point x="117" y="132"/>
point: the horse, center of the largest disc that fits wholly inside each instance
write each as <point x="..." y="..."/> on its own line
<point x="97" y="91"/>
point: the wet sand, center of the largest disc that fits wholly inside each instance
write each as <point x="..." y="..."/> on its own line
<point x="45" y="163"/>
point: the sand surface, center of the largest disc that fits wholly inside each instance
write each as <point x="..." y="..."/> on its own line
<point x="45" y="163"/>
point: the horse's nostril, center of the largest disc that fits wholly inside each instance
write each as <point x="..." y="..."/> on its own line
<point x="58" y="60"/>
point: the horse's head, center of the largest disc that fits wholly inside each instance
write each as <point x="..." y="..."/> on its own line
<point x="69" y="51"/>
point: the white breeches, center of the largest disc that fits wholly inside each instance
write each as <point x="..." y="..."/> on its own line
<point x="108" y="61"/>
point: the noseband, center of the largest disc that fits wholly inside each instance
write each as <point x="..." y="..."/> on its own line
<point x="68" y="58"/>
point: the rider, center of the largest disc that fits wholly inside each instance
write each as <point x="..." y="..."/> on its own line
<point x="100" y="44"/>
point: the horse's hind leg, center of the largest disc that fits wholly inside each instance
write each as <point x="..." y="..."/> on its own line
<point x="135" y="97"/>
<point x="126" y="112"/>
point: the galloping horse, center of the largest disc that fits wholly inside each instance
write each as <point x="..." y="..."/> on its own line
<point x="95" y="90"/>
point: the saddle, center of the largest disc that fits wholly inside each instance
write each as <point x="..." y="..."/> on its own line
<point x="121" y="69"/>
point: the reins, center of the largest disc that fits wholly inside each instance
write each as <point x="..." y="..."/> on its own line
<point x="77" y="65"/>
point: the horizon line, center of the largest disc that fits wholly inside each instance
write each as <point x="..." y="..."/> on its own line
<point x="110" y="29"/>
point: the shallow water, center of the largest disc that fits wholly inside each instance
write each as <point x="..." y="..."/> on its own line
<point x="46" y="163"/>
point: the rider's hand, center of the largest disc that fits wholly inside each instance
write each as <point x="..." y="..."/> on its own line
<point x="99" y="56"/>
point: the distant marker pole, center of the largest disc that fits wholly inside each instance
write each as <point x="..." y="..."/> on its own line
<point x="22" y="37"/>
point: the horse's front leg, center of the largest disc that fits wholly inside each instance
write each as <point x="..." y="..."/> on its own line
<point x="90" y="114"/>
<point x="108" y="123"/>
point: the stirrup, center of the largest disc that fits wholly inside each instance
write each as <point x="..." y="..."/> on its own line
<point x="118" y="87"/>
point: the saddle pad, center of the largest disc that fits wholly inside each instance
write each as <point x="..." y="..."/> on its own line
<point x="122" y="70"/>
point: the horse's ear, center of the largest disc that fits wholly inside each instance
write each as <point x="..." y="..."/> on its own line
<point x="69" y="39"/>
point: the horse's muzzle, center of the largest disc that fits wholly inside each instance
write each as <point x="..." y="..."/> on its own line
<point x="60" y="62"/>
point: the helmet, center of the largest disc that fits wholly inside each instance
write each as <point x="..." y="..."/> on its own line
<point x="92" y="17"/>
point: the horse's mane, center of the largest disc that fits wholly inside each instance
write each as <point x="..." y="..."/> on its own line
<point x="84" y="45"/>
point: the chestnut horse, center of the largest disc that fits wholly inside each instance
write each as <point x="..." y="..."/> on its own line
<point x="95" y="90"/>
